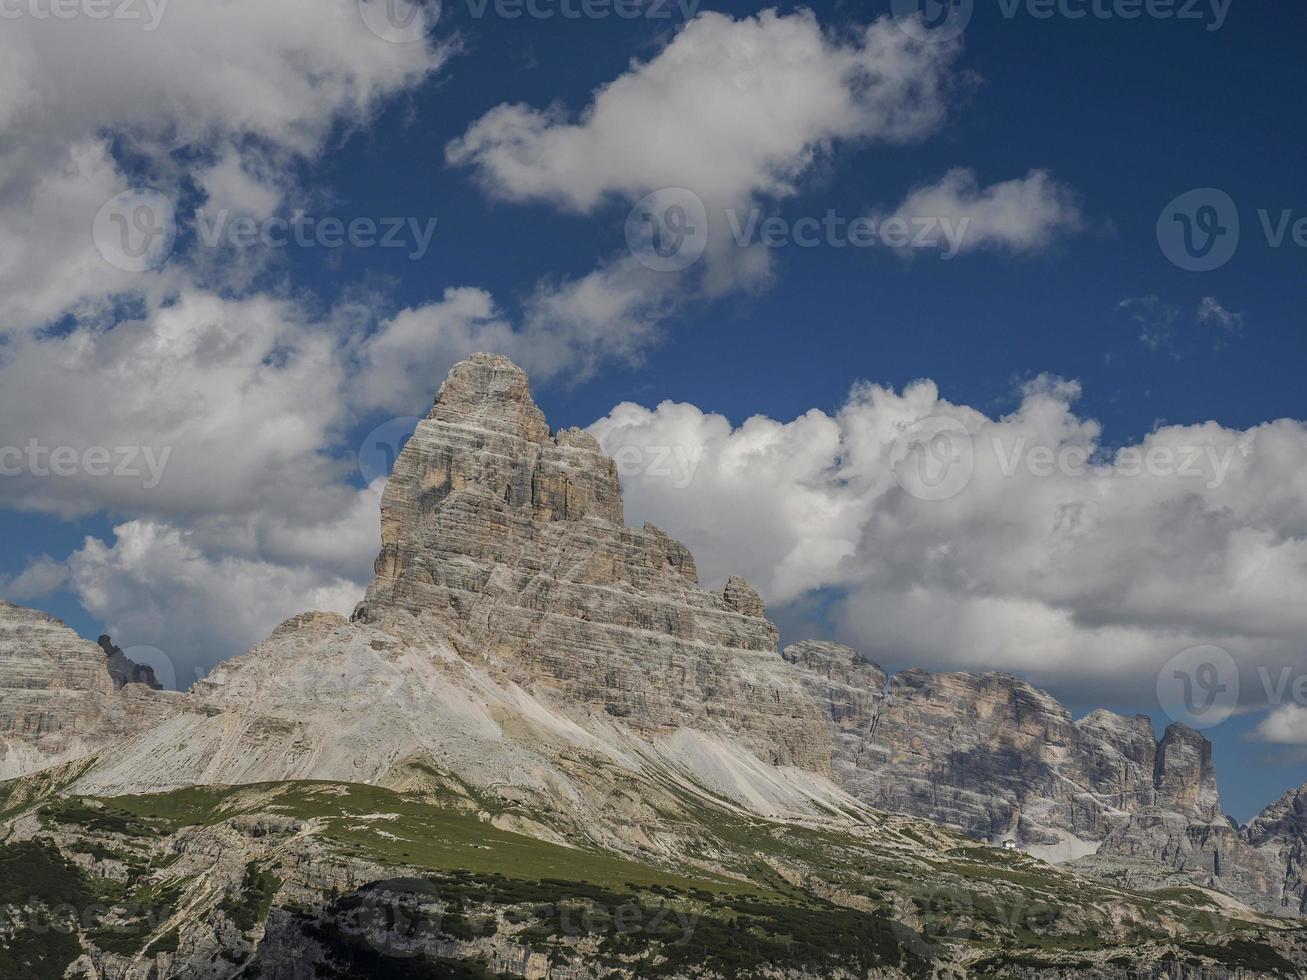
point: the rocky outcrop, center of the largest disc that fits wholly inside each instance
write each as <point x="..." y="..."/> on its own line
<point x="59" y="699"/>
<point x="1280" y="833"/>
<point x="509" y="542"/>
<point x="123" y="670"/>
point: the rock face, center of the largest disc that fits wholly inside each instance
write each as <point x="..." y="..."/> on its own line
<point x="124" y="670"/>
<point x="1280" y="832"/>
<point x="521" y="642"/>
<point x="59" y="699"/>
<point x="509" y="542"/>
<point x="999" y="760"/>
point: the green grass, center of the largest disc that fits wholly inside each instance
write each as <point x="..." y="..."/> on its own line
<point x="965" y="895"/>
<point x="425" y="836"/>
<point x="662" y="931"/>
<point x="249" y="907"/>
<point x="34" y="871"/>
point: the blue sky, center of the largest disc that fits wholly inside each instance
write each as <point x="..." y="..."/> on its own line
<point x="1123" y="114"/>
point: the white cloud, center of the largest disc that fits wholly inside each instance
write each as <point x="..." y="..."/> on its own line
<point x="1097" y="568"/>
<point x="40" y="578"/>
<point x="238" y="399"/>
<point x="153" y="586"/>
<point x="234" y="184"/>
<point x="264" y="78"/>
<point x="1285" y="725"/>
<point x="1155" y="321"/>
<point x="1021" y="215"/>
<point x="730" y="109"/>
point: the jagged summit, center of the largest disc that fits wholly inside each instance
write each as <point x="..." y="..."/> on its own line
<point x="489" y="391"/>
<point x="510" y="542"/>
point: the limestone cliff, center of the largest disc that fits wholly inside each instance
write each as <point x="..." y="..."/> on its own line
<point x="58" y="696"/>
<point x="509" y="542"/>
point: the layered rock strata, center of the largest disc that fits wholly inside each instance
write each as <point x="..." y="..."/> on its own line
<point x="59" y="699"/>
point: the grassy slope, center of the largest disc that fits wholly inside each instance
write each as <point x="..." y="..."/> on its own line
<point x="784" y="884"/>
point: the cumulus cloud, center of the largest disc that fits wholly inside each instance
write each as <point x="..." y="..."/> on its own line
<point x="203" y="405"/>
<point x="1285" y="725"/>
<point x="730" y="109"/>
<point x="154" y="586"/>
<point x="1056" y="556"/>
<point x="730" y="113"/>
<point x="41" y="577"/>
<point x="276" y="79"/>
<point x="1020" y="215"/>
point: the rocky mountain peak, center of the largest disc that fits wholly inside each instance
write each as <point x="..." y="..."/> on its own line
<point x="743" y="598"/>
<point x="1184" y="773"/>
<point x="489" y="391"/>
<point x="510" y="542"/>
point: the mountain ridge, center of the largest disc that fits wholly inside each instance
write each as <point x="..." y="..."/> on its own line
<point x="527" y="661"/>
